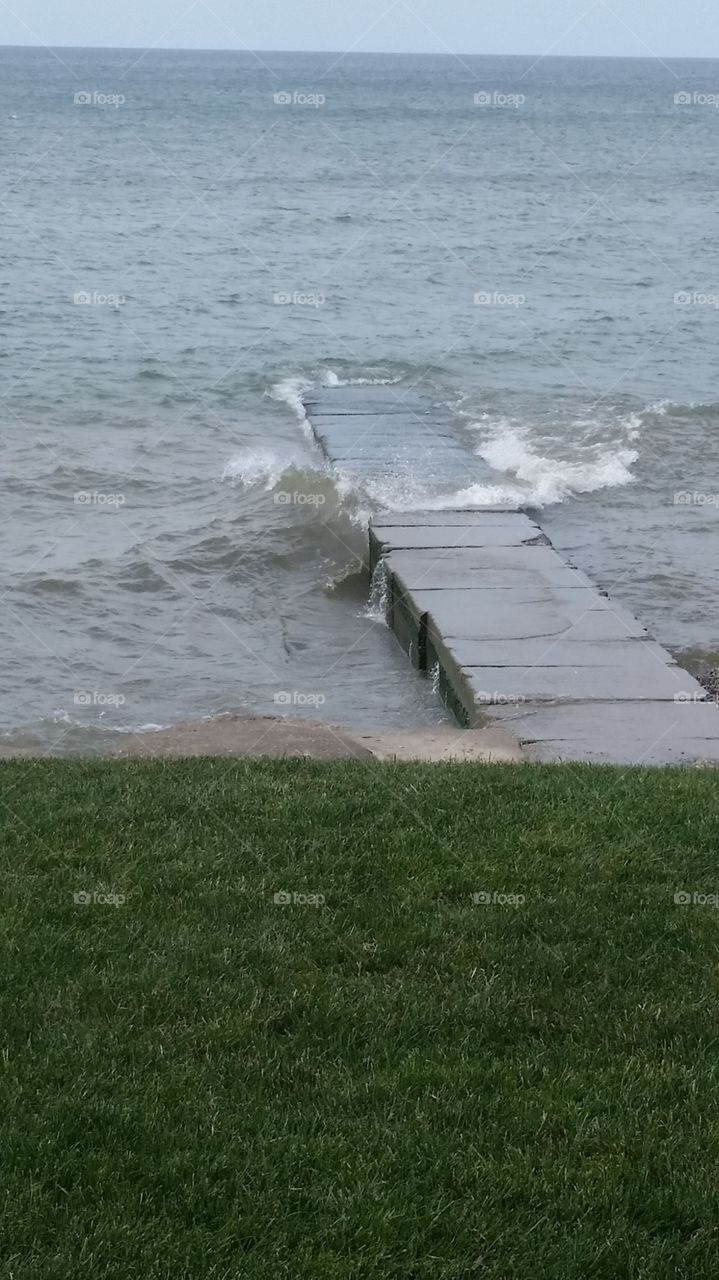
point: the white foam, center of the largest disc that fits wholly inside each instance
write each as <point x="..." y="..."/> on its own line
<point x="633" y="426"/>
<point x="660" y="408"/>
<point x="407" y="491"/>
<point x="540" y="475"/>
<point x="61" y="716"/>
<point x="679" y="409"/>
<point x="548" y="479"/>
<point x="150" y="727"/>
<point x="477" y="495"/>
<point x="331" y="379"/>
<point x="291" y="391"/>
<point x="258" y="465"/>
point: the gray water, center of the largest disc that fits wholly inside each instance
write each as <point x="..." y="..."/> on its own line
<point x="173" y="544"/>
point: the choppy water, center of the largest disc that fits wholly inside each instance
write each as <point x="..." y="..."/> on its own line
<point x="181" y="582"/>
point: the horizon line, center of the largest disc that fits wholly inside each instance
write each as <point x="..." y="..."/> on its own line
<point x="355" y="53"/>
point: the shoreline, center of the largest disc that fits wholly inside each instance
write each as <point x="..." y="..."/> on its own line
<point x="246" y="736"/>
<point x="278" y="737"/>
<point x="242" y="736"/>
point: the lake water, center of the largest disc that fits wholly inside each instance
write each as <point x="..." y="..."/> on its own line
<point x="192" y="238"/>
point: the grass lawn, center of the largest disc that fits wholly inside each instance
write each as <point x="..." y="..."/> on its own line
<point x="394" y="1083"/>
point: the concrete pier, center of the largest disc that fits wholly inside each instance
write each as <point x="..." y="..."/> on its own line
<point x="389" y="435"/>
<point x="513" y="635"/>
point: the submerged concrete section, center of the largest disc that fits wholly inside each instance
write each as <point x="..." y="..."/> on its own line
<point x="516" y="637"/>
<point x="387" y="437"/>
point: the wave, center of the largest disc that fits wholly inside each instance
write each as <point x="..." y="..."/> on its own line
<point x="546" y="464"/>
<point x="265" y="468"/>
<point x="407" y="492"/>
<point x="694" y="409"/>
<point x="535" y="478"/>
<point x="260" y="465"/>
<point x="633" y="424"/>
<point x="291" y="391"/>
<point x="550" y="479"/>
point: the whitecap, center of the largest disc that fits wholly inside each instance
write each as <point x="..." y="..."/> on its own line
<point x="258" y="465"/>
<point x="551" y="479"/>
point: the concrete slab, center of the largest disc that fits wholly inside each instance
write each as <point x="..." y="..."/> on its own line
<point x="656" y="733"/>
<point x="561" y="652"/>
<point x="362" y="400"/>
<point x="440" y="537"/>
<point x="368" y="453"/>
<point x="535" y="611"/>
<point x="372" y="425"/>
<point x="482" y="516"/>
<point x="473" y="689"/>
<point x="371" y="434"/>
<point x="523" y="568"/>
<point x="637" y="681"/>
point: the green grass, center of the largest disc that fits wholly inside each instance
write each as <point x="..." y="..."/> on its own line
<point x="396" y="1085"/>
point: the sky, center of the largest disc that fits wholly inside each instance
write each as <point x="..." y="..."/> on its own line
<point x="619" y="28"/>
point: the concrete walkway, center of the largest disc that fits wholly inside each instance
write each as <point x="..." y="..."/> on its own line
<point x="375" y="435"/>
<point x="514" y="637"/>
